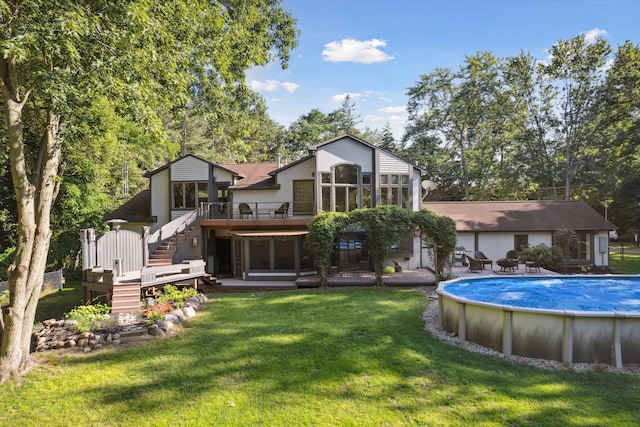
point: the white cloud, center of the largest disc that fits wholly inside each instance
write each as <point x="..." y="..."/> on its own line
<point x="393" y="110"/>
<point x="272" y="86"/>
<point x="341" y="96"/>
<point x="372" y="118"/>
<point x="591" y="35"/>
<point x="352" y="50"/>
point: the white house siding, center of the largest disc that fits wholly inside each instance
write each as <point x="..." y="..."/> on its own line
<point x="221" y="175"/>
<point x="390" y="164"/>
<point x="416" y="190"/>
<point x="496" y="244"/>
<point x="160" y="199"/>
<point x="344" y="151"/>
<point x="190" y="169"/>
<point x="302" y="171"/>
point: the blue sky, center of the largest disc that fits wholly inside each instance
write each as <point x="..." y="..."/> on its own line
<point x="376" y="49"/>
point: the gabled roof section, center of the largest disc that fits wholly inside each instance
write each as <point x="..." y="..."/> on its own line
<point x="294" y="163"/>
<point x="314" y="148"/>
<point x="136" y="209"/>
<point x="155" y="171"/>
<point x="255" y="176"/>
<point x="531" y="215"/>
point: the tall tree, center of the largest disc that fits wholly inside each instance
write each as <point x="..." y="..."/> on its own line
<point x="615" y="157"/>
<point x="345" y="118"/>
<point x="382" y="138"/>
<point x="457" y="108"/>
<point x="309" y="129"/>
<point x="578" y="68"/>
<point x="534" y="161"/>
<point x="141" y="54"/>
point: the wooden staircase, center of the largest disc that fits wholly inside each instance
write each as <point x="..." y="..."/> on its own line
<point x="163" y="255"/>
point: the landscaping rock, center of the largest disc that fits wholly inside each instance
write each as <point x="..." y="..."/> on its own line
<point x="179" y="314"/>
<point x="155" y="331"/>
<point x="171" y="318"/>
<point x="189" y="312"/>
<point x="165" y="325"/>
<point x="54" y="334"/>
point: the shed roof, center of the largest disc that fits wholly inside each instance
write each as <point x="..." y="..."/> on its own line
<point x="529" y="215"/>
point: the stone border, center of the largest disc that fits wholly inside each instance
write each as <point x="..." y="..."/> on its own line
<point x="55" y="334"/>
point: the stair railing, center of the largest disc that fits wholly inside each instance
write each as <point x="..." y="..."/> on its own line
<point x="172" y="229"/>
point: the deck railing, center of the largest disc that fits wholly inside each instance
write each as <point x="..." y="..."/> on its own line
<point x="257" y="210"/>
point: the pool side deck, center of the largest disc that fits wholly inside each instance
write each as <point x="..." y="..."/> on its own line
<point x="406" y="278"/>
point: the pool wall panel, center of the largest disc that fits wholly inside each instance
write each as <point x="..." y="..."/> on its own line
<point x="485" y="326"/>
<point x="537" y="335"/>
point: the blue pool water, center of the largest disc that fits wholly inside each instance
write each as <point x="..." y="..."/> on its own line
<point x="565" y="293"/>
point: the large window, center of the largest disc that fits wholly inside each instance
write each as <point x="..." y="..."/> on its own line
<point x="189" y="195"/>
<point x="345" y="189"/>
<point x="579" y="251"/>
<point x="303" y="199"/>
<point x="394" y="190"/>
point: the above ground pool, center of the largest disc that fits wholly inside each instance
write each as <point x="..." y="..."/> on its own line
<point x="588" y="319"/>
<point x="563" y="293"/>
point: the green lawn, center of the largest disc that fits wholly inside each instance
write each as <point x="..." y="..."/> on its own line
<point x="340" y="357"/>
<point x="625" y="260"/>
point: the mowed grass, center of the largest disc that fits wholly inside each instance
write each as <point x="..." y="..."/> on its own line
<point x="625" y="261"/>
<point x="356" y="357"/>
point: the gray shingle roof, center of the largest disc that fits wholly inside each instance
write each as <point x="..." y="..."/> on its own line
<point x="530" y="215"/>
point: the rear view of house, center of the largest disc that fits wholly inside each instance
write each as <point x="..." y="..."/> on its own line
<point x="252" y="218"/>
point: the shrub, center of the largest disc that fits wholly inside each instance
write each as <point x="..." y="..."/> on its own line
<point x="552" y="255"/>
<point x="171" y="293"/>
<point x="89" y="316"/>
<point x="157" y="312"/>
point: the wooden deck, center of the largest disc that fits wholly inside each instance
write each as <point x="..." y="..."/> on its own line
<point x="407" y="278"/>
<point x="124" y="292"/>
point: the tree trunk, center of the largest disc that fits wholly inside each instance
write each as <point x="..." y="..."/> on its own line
<point x="35" y="193"/>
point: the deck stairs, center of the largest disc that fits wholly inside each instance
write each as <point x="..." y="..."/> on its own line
<point x="163" y="255"/>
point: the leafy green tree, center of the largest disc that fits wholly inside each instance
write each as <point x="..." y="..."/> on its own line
<point x="142" y="55"/>
<point x="614" y="156"/>
<point x="345" y="119"/>
<point x="309" y="129"/>
<point x="459" y="110"/>
<point x="533" y="160"/>
<point x="381" y="138"/>
<point x="567" y="241"/>
<point x="578" y="68"/>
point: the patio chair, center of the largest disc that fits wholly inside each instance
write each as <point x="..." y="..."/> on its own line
<point x="534" y="265"/>
<point x="513" y="255"/>
<point x="283" y="211"/>
<point x="482" y="257"/>
<point x="245" y="210"/>
<point x="507" y="264"/>
<point x="474" y="263"/>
